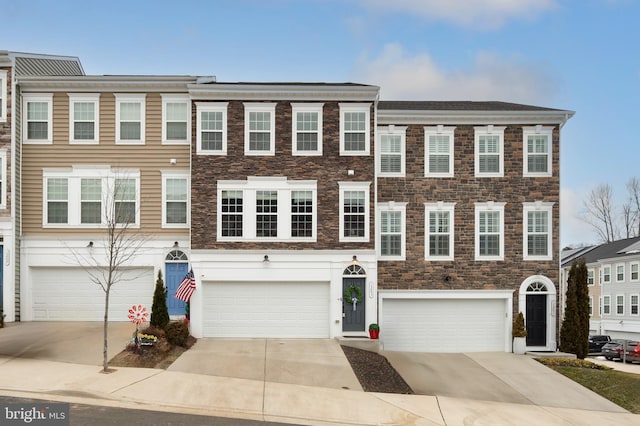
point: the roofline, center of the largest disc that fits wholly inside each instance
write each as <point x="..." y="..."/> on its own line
<point x="581" y="252"/>
<point x="14" y="55"/>
<point x="280" y="91"/>
<point x="98" y="83"/>
<point x="461" y="117"/>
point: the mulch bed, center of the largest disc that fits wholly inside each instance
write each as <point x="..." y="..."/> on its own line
<point x="374" y="372"/>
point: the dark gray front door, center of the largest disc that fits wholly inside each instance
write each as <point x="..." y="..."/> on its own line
<point x="536" y="319"/>
<point x="353" y="316"/>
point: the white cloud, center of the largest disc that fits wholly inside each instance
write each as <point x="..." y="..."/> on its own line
<point x="475" y="13"/>
<point x="489" y="77"/>
<point x="573" y="230"/>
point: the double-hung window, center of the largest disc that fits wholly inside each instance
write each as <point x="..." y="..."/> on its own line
<point x="130" y="118"/>
<point x="606" y="274"/>
<point x="620" y="272"/>
<point x="391" y="233"/>
<point x="90" y="201"/>
<point x="634" y="304"/>
<point x="307" y="128"/>
<point x="175" y="199"/>
<point x="634" y="268"/>
<point x="590" y="275"/>
<point x="489" y="151"/>
<point x="84" y="112"/>
<point x="489" y="231"/>
<point x="619" y="304"/>
<point x="391" y="150"/>
<point x="606" y="305"/>
<point x="355" y="128"/>
<point x="537" y="242"/>
<point x="125" y="196"/>
<point x="267" y="208"/>
<point x="3" y="96"/>
<point x="211" y="128"/>
<point x="537" y="151"/>
<point x="259" y="128"/>
<point x="354" y="211"/>
<point x="438" y="157"/>
<point x="57" y="201"/>
<point x="38" y="113"/>
<point x="176" y="119"/>
<point x="3" y="178"/>
<point x="439" y="227"/>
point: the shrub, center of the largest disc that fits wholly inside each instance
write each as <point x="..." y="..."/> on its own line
<point x="568" y="362"/>
<point x="1" y="318"/>
<point x="518" y="329"/>
<point x="159" y="311"/>
<point x="177" y="333"/>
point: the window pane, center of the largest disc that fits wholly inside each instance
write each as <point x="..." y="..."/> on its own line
<point x="259" y="141"/>
<point x="177" y="131"/>
<point x="37" y="111"/>
<point x="354" y="142"/>
<point x="537" y="163"/>
<point x="354" y="213"/>
<point x="83" y="131"/>
<point x="125" y="196"/>
<point x="537" y="245"/>
<point x="212" y="141"/>
<point x="176" y="212"/>
<point x="438" y="164"/>
<point x="489" y="144"/>
<point x="489" y="163"/>
<point x="489" y="245"/>
<point x="439" y="245"/>
<point x="354" y="121"/>
<point x="231" y="213"/>
<point x="260" y="121"/>
<point x="83" y="111"/>
<point x="125" y="212"/>
<point x="130" y="111"/>
<point x="301" y="214"/>
<point x="391" y="245"/>
<point x="307" y="121"/>
<point x="176" y="189"/>
<point x="266" y="213"/>
<point x="176" y="111"/>
<point x="211" y="120"/>
<point x="56" y="212"/>
<point x="37" y="130"/>
<point x="390" y="163"/>
<point x="307" y="141"/>
<point x="130" y="131"/>
<point x="91" y="201"/>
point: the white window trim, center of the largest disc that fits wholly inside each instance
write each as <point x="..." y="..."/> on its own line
<point x="637" y="264"/>
<point x="600" y="304"/>
<point x="489" y="206"/>
<point x="602" y="280"/>
<point x="489" y="130"/>
<point x="211" y="107"/>
<point x="637" y="296"/>
<point x="392" y="206"/>
<point x="269" y="107"/>
<point x="606" y="302"/>
<point x="623" y="272"/>
<point x="305" y="107"/>
<point x="174" y="98"/>
<point x="356" y="107"/>
<point x="249" y="188"/>
<point x="531" y="131"/>
<point x="590" y="306"/>
<point x="3" y="96"/>
<point x="86" y="98"/>
<point x="593" y="277"/>
<point x="618" y="305"/>
<point x="3" y="176"/>
<point x="354" y="186"/>
<point x="133" y="98"/>
<point x="37" y="97"/>
<point x="175" y="174"/>
<point x="74" y="176"/>
<point x="537" y="206"/>
<point x="439" y="130"/>
<point x="392" y="130"/>
<point x="439" y="206"/>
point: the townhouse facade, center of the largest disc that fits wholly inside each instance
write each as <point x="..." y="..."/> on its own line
<point x="614" y="287"/>
<point x="303" y="209"/>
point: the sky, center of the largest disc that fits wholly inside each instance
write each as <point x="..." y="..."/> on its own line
<point x="578" y="55"/>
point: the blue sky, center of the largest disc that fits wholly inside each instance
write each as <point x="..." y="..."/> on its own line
<point x="580" y="55"/>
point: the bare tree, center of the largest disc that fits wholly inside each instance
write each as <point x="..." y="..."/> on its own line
<point x="633" y="187"/>
<point x="599" y="212"/>
<point x="122" y="241"/>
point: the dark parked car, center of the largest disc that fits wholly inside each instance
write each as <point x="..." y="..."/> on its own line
<point x="633" y="352"/>
<point x="613" y="349"/>
<point x="597" y="342"/>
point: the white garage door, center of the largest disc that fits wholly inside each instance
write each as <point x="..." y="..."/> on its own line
<point x="67" y="294"/>
<point x="443" y="325"/>
<point x="266" y="309"/>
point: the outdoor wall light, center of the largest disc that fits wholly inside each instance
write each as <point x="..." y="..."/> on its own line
<point x="265" y="259"/>
<point x="354" y="260"/>
<point x="175" y="245"/>
<point x="90" y="245"/>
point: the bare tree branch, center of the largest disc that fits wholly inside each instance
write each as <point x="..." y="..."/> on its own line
<point x="599" y="212"/>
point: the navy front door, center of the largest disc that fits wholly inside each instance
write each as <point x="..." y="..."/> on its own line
<point x="536" y="319"/>
<point x="175" y="274"/>
<point x="353" y="310"/>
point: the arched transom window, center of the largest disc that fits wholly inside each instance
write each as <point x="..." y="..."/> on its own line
<point x="176" y="256"/>
<point x="536" y="287"/>
<point x="354" y="270"/>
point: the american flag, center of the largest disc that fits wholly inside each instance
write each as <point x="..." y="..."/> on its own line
<point x="186" y="287"/>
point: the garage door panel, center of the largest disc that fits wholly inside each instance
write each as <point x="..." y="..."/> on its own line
<point x="265" y="309"/>
<point x="444" y="325"/>
<point x="67" y="294"/>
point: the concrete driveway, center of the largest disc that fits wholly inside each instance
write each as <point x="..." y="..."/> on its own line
<point x="494" y="376"/>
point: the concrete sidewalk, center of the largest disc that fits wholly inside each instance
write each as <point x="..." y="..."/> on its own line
<point x="259" y="400"/>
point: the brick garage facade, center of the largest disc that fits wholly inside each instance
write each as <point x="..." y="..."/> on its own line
<point x="327" y="170"/>
<point x="464" y="272"/>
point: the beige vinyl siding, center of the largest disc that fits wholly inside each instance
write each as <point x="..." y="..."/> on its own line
<point x="150" y="158"/>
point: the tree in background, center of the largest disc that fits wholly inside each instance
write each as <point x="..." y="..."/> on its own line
<point x="159" y="311"/>
<point x="574" y="333"/>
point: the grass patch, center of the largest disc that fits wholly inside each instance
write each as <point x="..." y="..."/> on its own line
<point x="618" y="387"/>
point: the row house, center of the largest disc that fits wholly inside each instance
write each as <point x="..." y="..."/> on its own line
<point x="613" y="281"/>
<point x="304" y="209"/>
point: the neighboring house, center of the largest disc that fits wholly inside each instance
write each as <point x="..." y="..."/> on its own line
<point x="304" y="209"/>
<point x="468" y="215"/>
<point x="614" y="286"/>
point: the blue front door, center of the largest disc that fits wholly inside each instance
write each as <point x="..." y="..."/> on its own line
<point x="175" y="274"/>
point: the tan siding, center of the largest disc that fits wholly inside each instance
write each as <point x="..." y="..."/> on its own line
<point x="150" y="159"/>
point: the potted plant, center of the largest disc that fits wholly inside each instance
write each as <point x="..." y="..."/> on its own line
<point x="519" y="333"/>
<point x="374" y="330"/>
